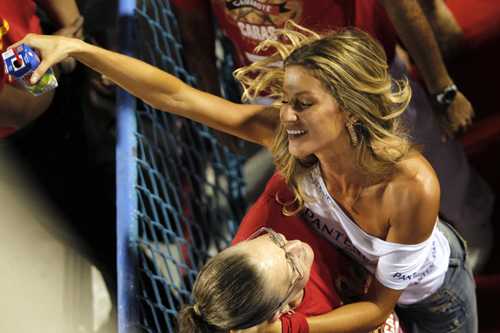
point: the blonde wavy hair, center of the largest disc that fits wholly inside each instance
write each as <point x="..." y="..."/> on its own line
<point x="352" y="66"/>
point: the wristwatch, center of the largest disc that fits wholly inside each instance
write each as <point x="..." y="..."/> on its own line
<point x="445" y="96"/>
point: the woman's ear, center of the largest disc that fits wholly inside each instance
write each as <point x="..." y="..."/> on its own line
<point x="279" y="313"/>
<point x="352" y="118"/>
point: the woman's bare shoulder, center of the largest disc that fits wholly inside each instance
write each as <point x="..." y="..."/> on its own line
<point x="416" y="171"/>
<point x="413" y="196"/>
<point x="413" y="173"/>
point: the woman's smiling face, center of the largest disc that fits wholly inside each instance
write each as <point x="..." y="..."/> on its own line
<point x="310" y="114"/>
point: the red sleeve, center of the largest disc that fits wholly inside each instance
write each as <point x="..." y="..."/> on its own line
<point x="188" y="4"/>
<point x="295" y="323"/>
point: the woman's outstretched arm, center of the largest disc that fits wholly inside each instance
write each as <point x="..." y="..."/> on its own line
<point x="159" y="89"/>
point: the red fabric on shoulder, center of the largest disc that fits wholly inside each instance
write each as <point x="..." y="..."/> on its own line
<point x="295" y="323"/>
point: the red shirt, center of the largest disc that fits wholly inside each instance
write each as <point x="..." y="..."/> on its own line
<point x="17" y="19"/>
<point x="248" y="22"/>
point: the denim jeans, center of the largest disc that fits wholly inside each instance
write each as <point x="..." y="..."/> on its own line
<point x="453" y="307"/>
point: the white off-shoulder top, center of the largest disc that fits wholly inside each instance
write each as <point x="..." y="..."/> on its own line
<point x="418" y="269"/>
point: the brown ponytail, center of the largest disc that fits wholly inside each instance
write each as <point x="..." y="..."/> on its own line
<point x="231" y="293"/>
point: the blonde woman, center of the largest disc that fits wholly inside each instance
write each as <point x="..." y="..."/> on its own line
<point x="337" y="142"/>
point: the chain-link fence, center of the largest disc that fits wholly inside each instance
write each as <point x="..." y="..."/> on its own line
<point x="180" y="193"/>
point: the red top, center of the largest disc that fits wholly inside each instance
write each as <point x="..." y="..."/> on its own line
<point x="332" y="274"/>
<point x="16" y="21"/>
<point x="248" y="22"/>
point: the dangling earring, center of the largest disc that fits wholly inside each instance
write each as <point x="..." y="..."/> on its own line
<point x="290" y="312"/>
<point x="352" y="133"/>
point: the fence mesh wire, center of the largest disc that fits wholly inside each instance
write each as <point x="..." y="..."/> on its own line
<point x="189" y="188"/>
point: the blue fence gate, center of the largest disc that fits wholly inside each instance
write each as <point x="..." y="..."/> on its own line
<point x="180" y="194"/>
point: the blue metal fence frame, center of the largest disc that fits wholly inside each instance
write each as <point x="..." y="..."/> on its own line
<point x="130" y="216"/>
<point x="126" y="179"/>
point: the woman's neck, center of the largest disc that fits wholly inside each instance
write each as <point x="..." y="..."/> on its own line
<point x="297" y="299"/>
<point x="341" y="175"/>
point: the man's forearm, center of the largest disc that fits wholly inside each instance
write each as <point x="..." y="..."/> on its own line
<point x="415" y="32"/>
<point x="62" y="13"/>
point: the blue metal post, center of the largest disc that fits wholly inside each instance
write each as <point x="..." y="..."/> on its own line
<point x="126" y="179"/>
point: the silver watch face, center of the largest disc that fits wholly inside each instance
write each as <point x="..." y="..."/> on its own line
<point x="447" y="95"/>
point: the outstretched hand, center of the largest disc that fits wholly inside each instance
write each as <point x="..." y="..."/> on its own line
<point x="52" y="50"/>
<point x="454" y="118"/>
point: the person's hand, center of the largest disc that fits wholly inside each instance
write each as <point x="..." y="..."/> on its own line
<point x="52" y="50"/>
<point x="75" y="30"/>
<point x="453" y="119"/>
